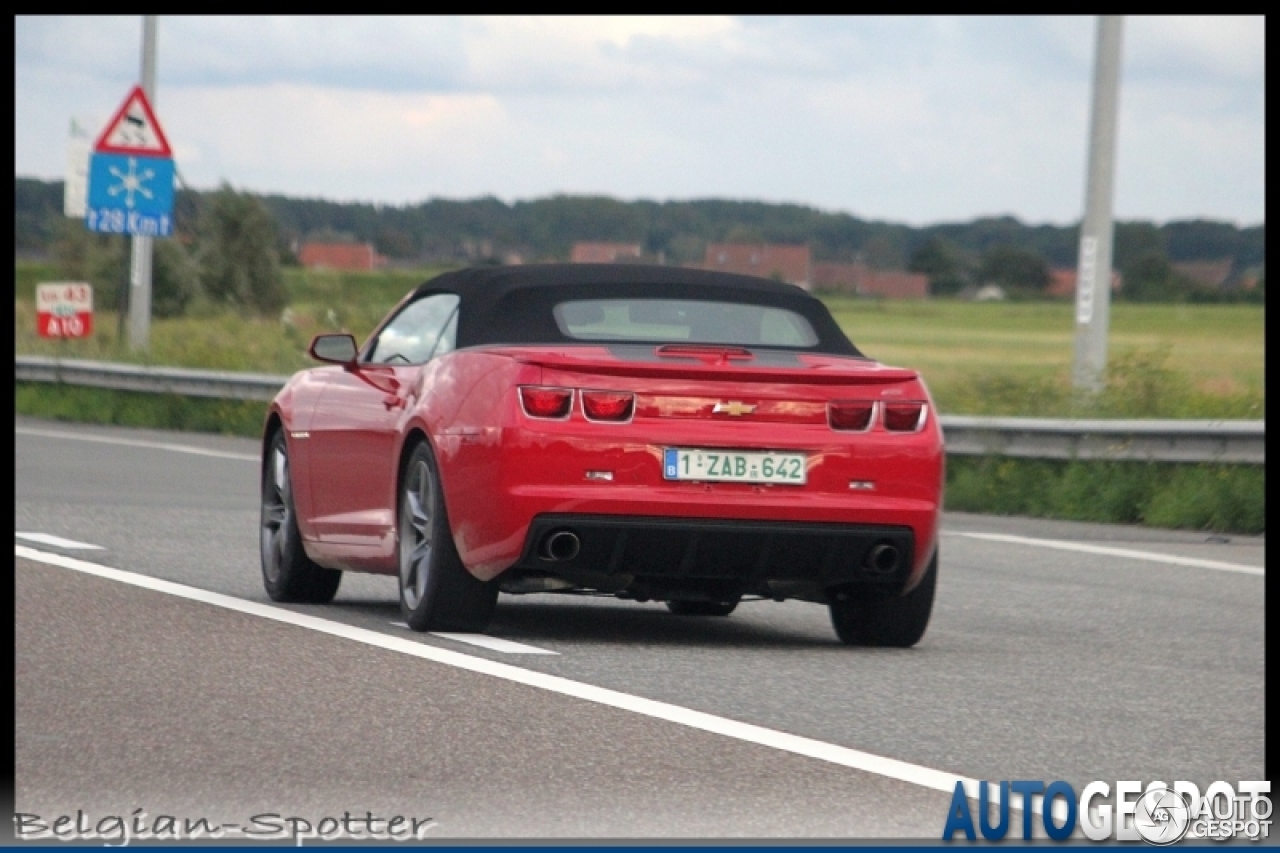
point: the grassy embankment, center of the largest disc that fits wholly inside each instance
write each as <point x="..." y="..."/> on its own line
<point x="1167" y="361"/>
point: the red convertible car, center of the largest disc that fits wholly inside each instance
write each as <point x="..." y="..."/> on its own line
<point x="647" y="432"/>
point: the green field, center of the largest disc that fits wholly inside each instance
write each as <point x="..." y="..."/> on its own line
<point x="1015" y="357"/>
<point x="1011" y="358"/>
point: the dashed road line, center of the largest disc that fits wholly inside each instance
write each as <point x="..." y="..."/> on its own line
<point x="484" y="641"/>
<point x="57" y="541"/>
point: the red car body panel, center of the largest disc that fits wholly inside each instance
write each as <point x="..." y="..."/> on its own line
<point x="347" y="428"/>
<point x="500" y="467"/>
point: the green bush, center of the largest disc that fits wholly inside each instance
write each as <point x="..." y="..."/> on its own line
<point x="28" y="275"/>
<point x="239" y="264"/>
<point x="137" y="409"/>
<point x="1225" y="498"/>
<point x="1140" y="384"/>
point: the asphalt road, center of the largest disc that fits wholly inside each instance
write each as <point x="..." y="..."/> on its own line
<point x="1057" y="651"/>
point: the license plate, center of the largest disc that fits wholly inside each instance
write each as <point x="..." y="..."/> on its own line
<point x="733" y="466"/>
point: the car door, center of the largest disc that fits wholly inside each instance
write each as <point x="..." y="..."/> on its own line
<point x="356" y="429"/>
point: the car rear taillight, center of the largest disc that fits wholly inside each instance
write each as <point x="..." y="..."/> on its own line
<point x="851" y="414"/>
<point x="543" y="402"/>
<point x="903" y="417"/>
<point x="608" y="405"/>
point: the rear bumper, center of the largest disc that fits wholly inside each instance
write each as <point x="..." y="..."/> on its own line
<point x="751" y="556"/>
<point x="497" y="489"/>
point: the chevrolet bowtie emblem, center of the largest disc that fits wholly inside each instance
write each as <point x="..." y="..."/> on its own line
<point x="734" y="408"/>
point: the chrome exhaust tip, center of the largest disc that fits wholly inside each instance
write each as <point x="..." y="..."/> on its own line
<point x="559" y="545"/>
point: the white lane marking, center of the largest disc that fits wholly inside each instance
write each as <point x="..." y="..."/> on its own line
<point x="1149" y="556"/>
<point x="131" y="442"/>
<point x="57" y="541"/>
<point x="890" y="768"/>
<point x="497" y="644"/>
<point x="484" y="641"/>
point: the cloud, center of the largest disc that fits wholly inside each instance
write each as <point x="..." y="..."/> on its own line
<point x="338" y="143"/>
<point x="1189" y="47"/>
<point x="909" y="118"/>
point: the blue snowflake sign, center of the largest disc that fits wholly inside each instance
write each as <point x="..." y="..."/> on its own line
<point x="131" y="173"/>
<point x="130" y="194"/>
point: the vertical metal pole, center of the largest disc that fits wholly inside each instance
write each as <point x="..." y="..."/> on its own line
<point x="1093" y="270"/>
<point x="122" y="307"/>
<point x="140" y="269"/>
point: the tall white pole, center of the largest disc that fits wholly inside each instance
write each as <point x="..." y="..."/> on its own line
<point x="140" y="268"/>
<point x="1093" y="270"/>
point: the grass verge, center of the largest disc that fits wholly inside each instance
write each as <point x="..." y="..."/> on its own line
<point x="1223" y="498"/>
<point x="138" y="409"/>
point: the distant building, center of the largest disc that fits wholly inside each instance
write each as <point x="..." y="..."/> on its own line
<point x="768" y="260"/>
<point x="340" y="256"/>
<point x="863" y="280"/>
<point x="1062" y="283"/>
<point x="604" y="253"/>
<point x="1210" y="274"/>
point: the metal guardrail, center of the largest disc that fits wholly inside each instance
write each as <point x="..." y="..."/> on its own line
<point x="1239" y="442"/>
<point x="186" y="382"/>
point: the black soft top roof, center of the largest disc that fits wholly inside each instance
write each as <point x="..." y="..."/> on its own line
<point x="513" y="304"/>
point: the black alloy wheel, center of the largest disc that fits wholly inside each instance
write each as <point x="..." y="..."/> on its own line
<point x="437" y="593"/>
<point x="288" y="574"/>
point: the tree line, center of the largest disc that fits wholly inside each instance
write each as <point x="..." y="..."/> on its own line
<point x="996" y="250"/>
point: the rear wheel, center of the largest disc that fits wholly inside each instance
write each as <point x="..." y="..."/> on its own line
<point x="875" y="619"/>
<point x="287" y="572"/>
<point x="702" y="608"/>
<point x="437" y="593"/>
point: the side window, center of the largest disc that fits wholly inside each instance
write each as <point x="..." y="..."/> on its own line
<point x="423" y="330"/>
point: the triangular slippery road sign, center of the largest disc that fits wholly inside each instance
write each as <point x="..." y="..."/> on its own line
<point x="134" y="130"/>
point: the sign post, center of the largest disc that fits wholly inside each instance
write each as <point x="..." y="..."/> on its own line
<point x="131" y="184"/>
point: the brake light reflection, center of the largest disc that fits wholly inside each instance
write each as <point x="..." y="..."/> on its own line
<point x="852" y="415"/>
<point x="608" y="405"/>
<point x="904" y="417"/>
<point x="543" y="402"/>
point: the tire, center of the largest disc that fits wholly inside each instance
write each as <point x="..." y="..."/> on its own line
<point x="288" y="573"/>
<point x="437" y="593"/>
<point x="702" y="608"/>
<point x="897" y="621"/>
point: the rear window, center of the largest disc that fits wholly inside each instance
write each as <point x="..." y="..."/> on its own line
<point x="695" y="321"/>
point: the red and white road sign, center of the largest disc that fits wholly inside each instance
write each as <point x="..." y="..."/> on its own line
<point x="64" y="309"/>
<point x="134" y="130"/>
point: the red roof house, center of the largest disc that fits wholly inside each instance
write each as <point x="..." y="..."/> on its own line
<point x="1210" y="274"/>
<point x="340" y="256"/>
<point x="603" y="253"/>
<point x="769" y="260"/>
<point x="1062" y="283"/>
<point x="863" y="280"/>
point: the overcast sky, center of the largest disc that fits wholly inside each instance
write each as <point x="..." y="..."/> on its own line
<point x="916" y="120"/>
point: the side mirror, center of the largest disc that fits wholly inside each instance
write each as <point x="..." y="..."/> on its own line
<point x="335" y="349"/>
